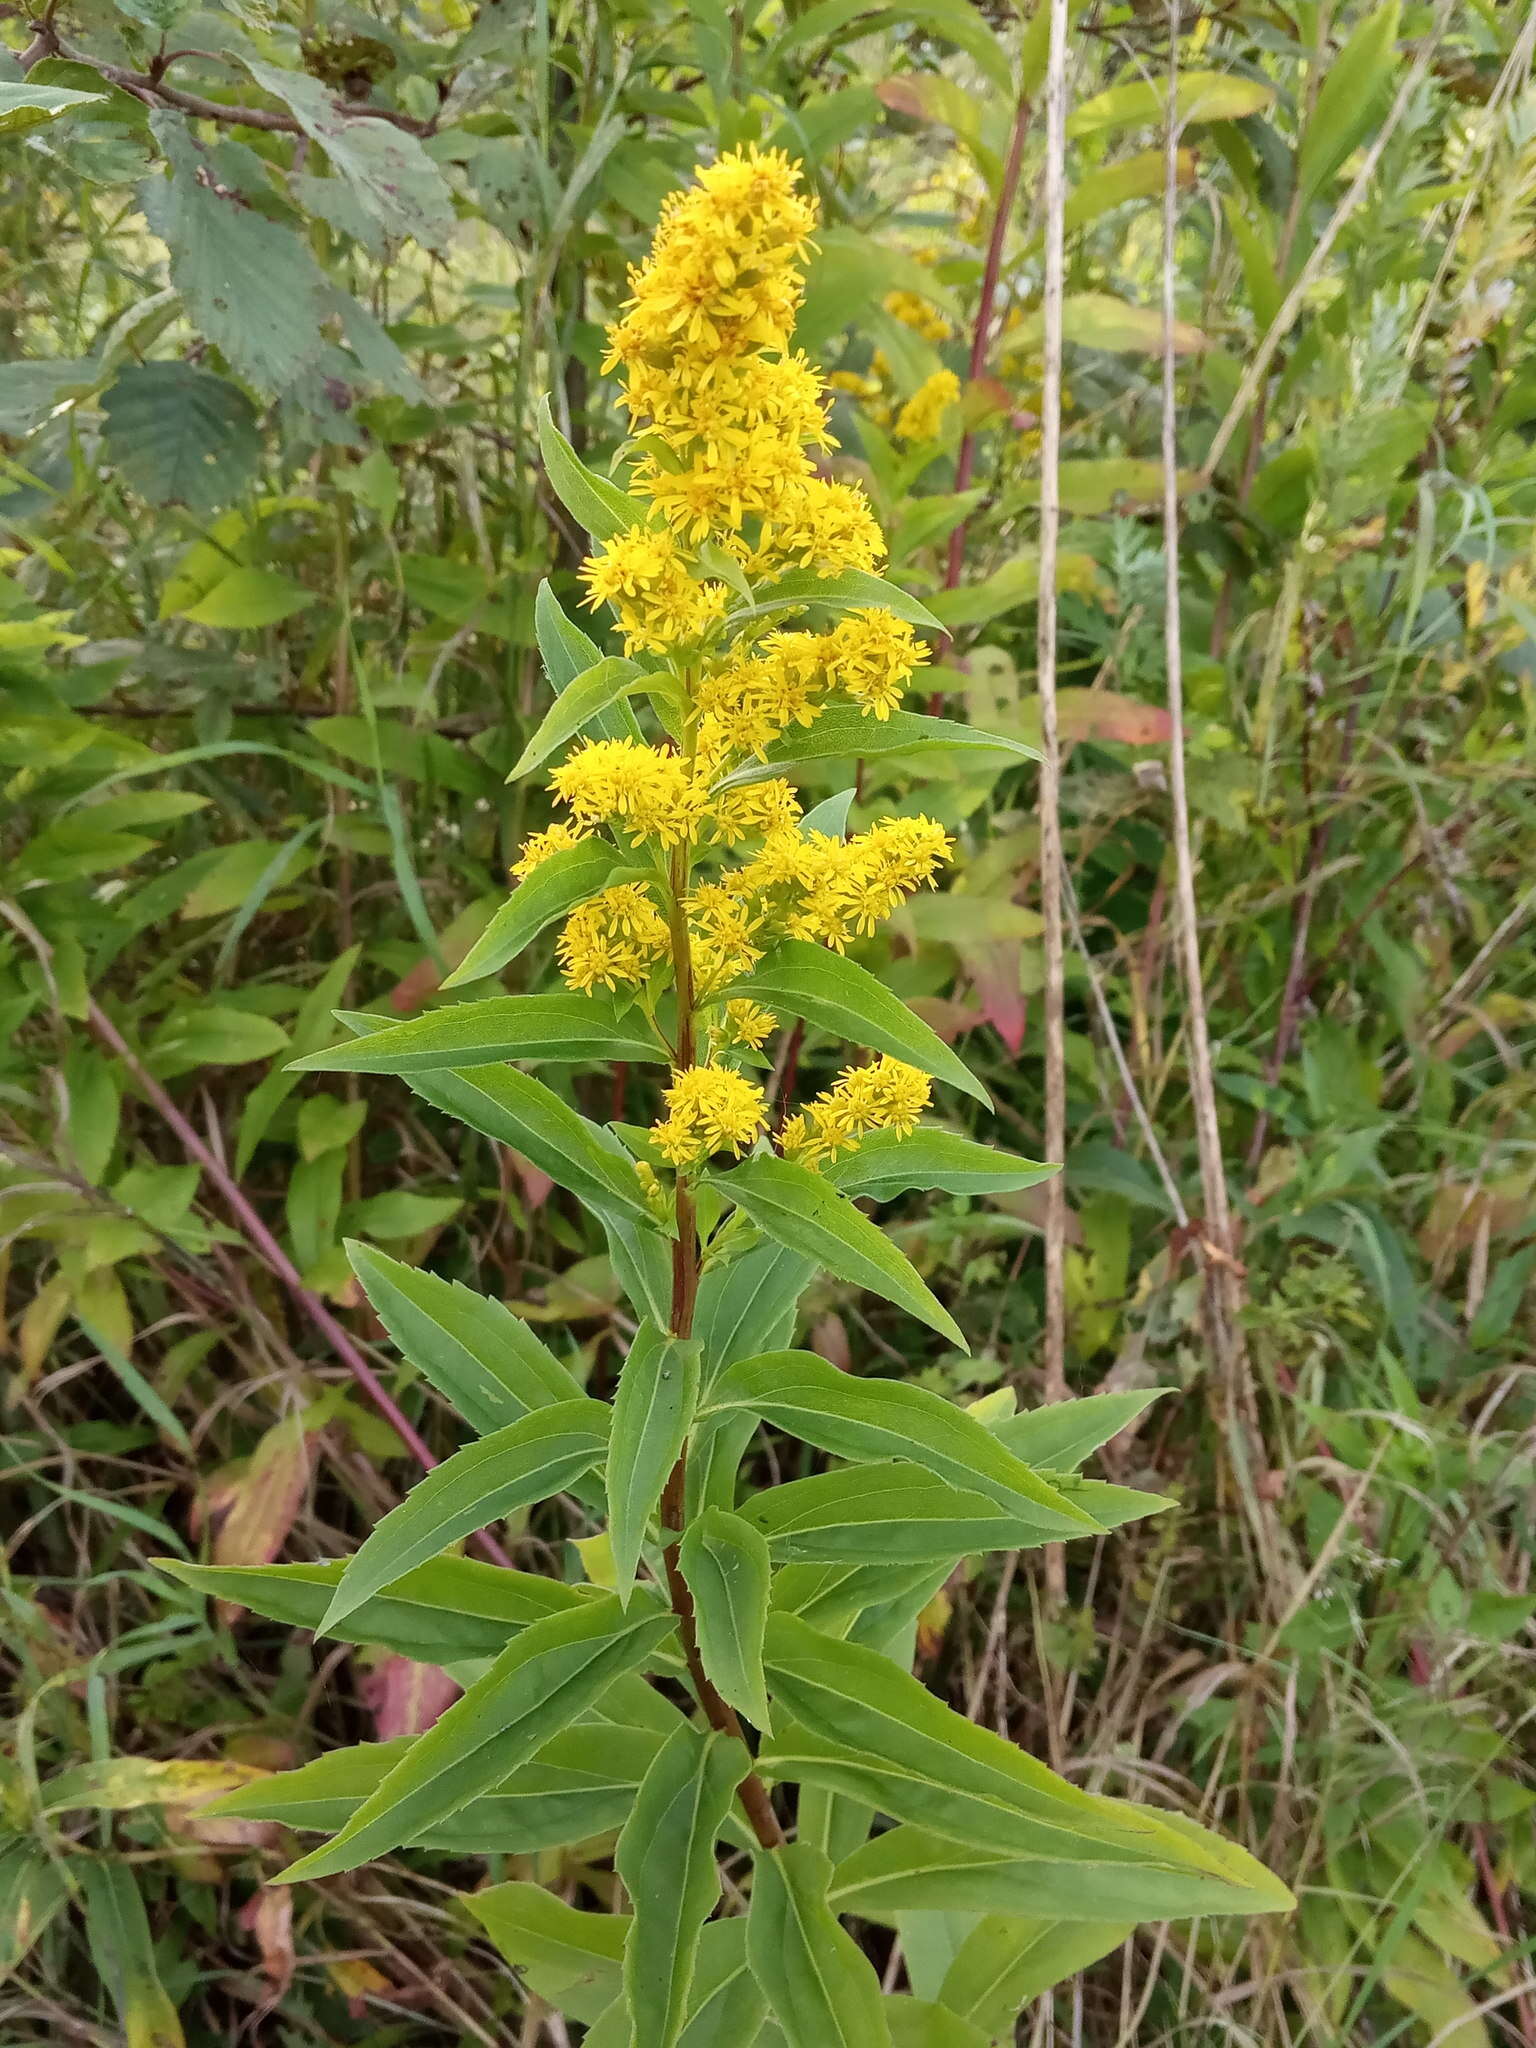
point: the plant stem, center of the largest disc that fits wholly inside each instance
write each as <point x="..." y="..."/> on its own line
<point x="752" y="1792"/>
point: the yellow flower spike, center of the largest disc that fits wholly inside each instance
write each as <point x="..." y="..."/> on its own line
<point x="613" y="940"/>
<point x="887" y="1095"/>
<point x="541" y="845"/>
<point x="709" y="1109"/>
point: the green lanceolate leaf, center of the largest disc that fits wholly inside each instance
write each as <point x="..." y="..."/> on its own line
<point x="885" y="1513"/>
<point x="581" y="1784"/>
<point x="540" y="1684"/>
<point x="1005" y="1961"/>
<point x="920" y="2023"/>
<point x="123" y="1950"/>
<point x="507" y="1470"/>
<point x="799" y="1210"/>
<point x="1062" y="1435"/>
<point x="666" y="1858"/>
<point x="838" y="996"/>
<point x="747" y="1305"/>
<point x="850" y="590"/>
<point x="602" y="507"/>
<point x="869" y="1420"/>
<point x="875" y="1732"/>
<point x="585" y="698"/>
<point x="440" y="1613"/>
<point x="544" y="1027"/>
<point x="908" y="1869"/>
<point x="887" y="1164"/>
<point x="555" y="887"/>
<point x="842" y="733"/>
<point x="568" y="1957"/>
<point x="820" y="1987"/>
<point x="567" y="652"/>
<point x="658" y="1391"/>
<point x="479" y="1355"/>
<point x="725" y="1561"/>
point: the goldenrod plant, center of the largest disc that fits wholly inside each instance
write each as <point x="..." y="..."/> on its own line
<point x="730" y="1693"/>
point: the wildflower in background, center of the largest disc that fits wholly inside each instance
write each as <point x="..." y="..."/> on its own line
<point x="916" y="313"/>
<point x="709" y="1109"/>
<point x="922" y="417"/>
<point x="887" y="1095"/>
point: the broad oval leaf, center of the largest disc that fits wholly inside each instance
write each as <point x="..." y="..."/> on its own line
<point x="652" y="1413"/>
<point x="886" y="1164"/>
<point x="837" y="995"/>
<point x="474" y="1350"/>
<point x="1201" y="96"/>
<point x="542" y="1682"/>
<point x="601" y="506"/>
<point x="507" y="1470"/>
<point x="868" y="1421"/>
<point x="556" y="886"/>
<point x="481" y="1034"/>
<point x="582" y="700"/>
<point x="819" y="1985"/>
<point x="666" y="1858"/>
<point x="803" y="1212"/>
<point x="725" y="1562"/>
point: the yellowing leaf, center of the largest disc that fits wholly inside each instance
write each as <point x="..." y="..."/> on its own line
<point x="248" y="598"/>
<point x="1100" y="320"/>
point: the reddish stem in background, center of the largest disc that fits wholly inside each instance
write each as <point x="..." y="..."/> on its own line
<point x="981" y="344"/>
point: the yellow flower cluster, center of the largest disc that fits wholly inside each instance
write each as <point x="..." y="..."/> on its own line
<point x="613" y="940"/>
<point x="644" y="575"/>
<point x="646" y="791"/>
<point x="922" y="417"/>
<point x="807" y="885"/>
<point x="709" y="1109"/>
<point x="748" y="1023"/>
<point x="537" y="850"/>
<point x="916" y="313"/>
<point x="888" y="1095"/>
<point x="749" y="701"/>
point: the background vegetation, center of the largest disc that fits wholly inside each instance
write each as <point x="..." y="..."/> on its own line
<point x="273" y="526"/>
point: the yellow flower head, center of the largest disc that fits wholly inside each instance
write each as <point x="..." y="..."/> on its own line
<point x="645" y="789"/>
<point x="709" y="1109"/>
<point x="613" y="940"/>
<point x="873" y="655"/>
<point x="748" y="1023"/>
<point x="807" y="885"/>
<point x="887" y="1095"/>
<point x="753" y="812"/>
<point x="722" y="936"/>
<point x="922" y="417"/>
<point x="644" y="575"/>
<point x="539" y="848"/>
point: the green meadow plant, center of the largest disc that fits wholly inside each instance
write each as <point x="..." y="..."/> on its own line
<point x="727" y="1707"/>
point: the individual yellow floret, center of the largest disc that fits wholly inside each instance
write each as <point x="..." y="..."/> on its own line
<point x="613" y="940"/>
<point x="887" y="1095"/>
<point x="709" y="1109"/>
<point x="922" y="417"/>
<point x="537" y="850"/>
<point x="646" y="789"/>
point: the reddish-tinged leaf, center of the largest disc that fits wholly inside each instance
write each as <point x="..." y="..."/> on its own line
<point x="1110" y="715"/>
<point x="406" y="1698"/>
<point x="259" y="1504"/>
<point x="268" y="1918"/>
<point x="994" y="972"/>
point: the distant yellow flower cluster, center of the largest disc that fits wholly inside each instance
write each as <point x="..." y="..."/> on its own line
<point x="729" y="429"/>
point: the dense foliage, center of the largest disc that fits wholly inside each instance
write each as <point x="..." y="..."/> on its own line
<point x="285" y="289"/>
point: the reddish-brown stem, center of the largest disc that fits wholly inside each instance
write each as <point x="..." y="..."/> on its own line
<point x="981" y="341"/>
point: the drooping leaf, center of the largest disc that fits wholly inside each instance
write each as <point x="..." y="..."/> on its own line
<point x="570" y="1958"/>
<point x="1351" y="100"/>
<point x="886" y="1164"/>
<point x="557" y="1027"/>
<point x="540" y="1684"/>
<point x="666" y="1858"/>
<point x="123" y="1950"/>
<point x="556" y="886"/>
<point x="507" y="1470"/>
<point x="868" y="1420"/>
<point x="804" y="1213"/>
<point x="391" y="176"/>
<point x="33" y="1888"/>
<point x="479" y="1355"/>
<point x="1005" y="1961"/>
<point x="24" y="106"/>
<point x="820" y="1987"/>
<point x="725" y="1561"/>
<point x="602" y="507"/>
<point x="249" y="283"/>
<point x="652" y="1413"/>
<point x="180" y="435"/>
<point x="870" y="1729"/>
<point x="839" y="996"/>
